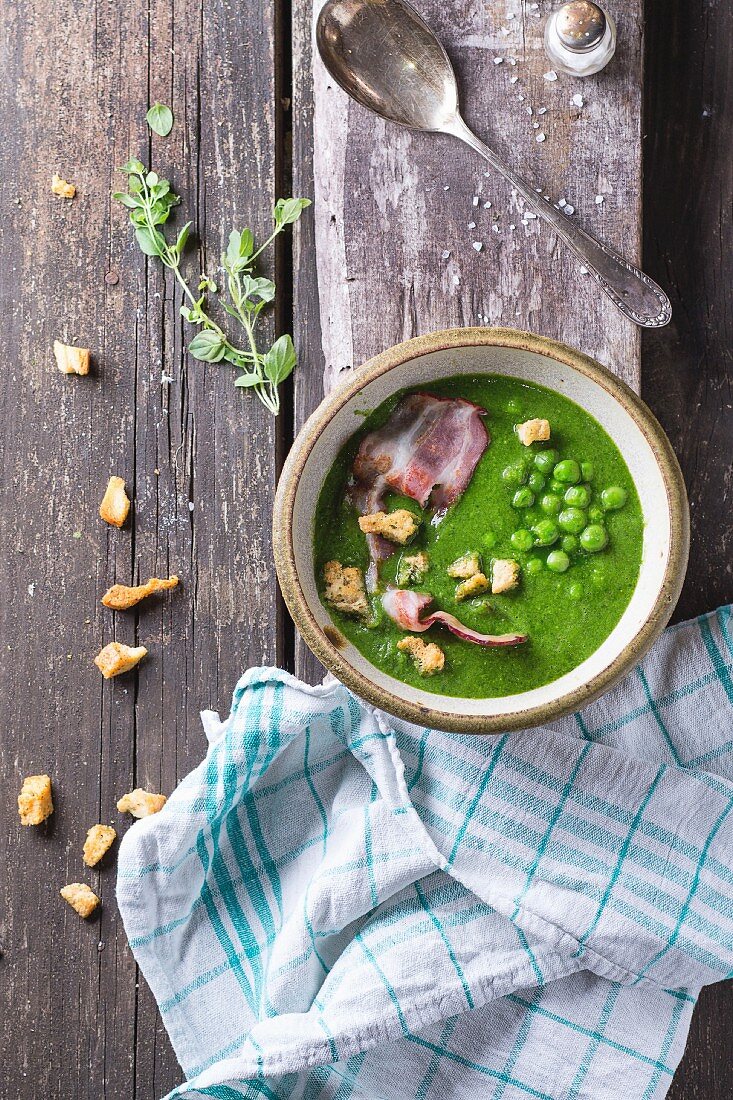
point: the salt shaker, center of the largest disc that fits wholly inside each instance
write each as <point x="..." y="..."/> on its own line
<point x="580" y="38"/>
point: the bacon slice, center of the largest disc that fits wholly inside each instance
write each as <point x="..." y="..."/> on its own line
<point x="406" y="607"/>
<point x="427" y="450"/>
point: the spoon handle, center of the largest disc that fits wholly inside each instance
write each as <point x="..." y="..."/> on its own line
<point x="634" y="293"/>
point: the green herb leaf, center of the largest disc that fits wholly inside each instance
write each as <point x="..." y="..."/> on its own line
<point x="151" y="243"/>
<point x="264" y="289"/>
<point x="134" y="167"/>
<point x="127" y="200"/>
<point x="249" y="378"/>
<point x="181" y="240"/>
<point x="160" y="119"/>
<point x="279" y="361"/>
<point x="207" y="346"/>
<point x="288" y="211"/>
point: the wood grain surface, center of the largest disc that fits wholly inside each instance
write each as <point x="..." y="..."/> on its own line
<point x="201" y="460"/>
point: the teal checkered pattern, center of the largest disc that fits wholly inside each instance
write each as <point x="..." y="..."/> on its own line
<point x="335" y="904"/>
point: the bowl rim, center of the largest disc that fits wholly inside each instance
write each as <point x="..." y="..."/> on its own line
<point x="424" y="715"/>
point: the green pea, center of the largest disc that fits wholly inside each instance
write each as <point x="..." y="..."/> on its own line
<point x="536" y="481"/>
<point x="575" y="591"/>
<point x="514" y="476"/>
<point x="546" y="532"/>
<point x="578" y="496"/>
<point x="567" y="471"/>
<point x="558" y="561"/>
<point x="586" y="469"/>
<point x="523" y="498"/>
<point x="522" y="539"/>
<point x="594" y="538"/>
<point x="613" y="497"/>
<point x="557" y="487"/>
<point x="569" y="543"/>
<point x="572" y="520"/>
<point x="545" y="461"/>
<point x="551" y="504"/>
<point x="490" y="539"/>
<point x="533" y="566"/>
<point x="596" y="514"/>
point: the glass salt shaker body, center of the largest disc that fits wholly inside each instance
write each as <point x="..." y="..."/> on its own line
<point x="580" y="38"/>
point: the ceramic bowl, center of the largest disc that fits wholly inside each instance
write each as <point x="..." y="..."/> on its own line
<point x="617" y="408"/>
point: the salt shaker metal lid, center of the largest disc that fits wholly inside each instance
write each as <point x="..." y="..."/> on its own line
<point x="580" y="38"/>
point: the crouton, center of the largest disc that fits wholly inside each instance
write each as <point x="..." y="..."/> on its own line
<point x="398" y="526"/>
<point x="100" y="839"/>
<point x="466" y="566"/>
<point x="473" y="586"/>
<point x="115" y="504"/>
<point x="504" y="575"/>
<point x="141" y="803"/>
<point x="428" y="659"/>
<point x="121" y="596"/>
<point x="345" y="589"/>
<point x="62" y="187"/>
<point x="70" y="359"/>
<point x="533" y="431"/>
<point x="412" y="568"/>
<point x="35" y="802"/>
<point x="81" y="898"/>
<point x="116" y="658"/>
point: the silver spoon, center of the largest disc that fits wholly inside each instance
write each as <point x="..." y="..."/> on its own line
<point x="387" y="58"/>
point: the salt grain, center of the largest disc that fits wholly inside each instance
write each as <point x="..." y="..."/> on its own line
<point x="456" y="280"/>
<point x="445" y="255"/>
<point x="539" y="137"/>
<point x="498" y="60"/>
<point x="599" y="199"/>
<point x="529" y="214"/>
<point x="513" y="79"/>
<point x="478" y="245"/>
<point x="475" y="200"/>
<point x="551" y="75"/>
<point x="562" y="202"/>
<point x="577" y="100"/>
<point x="583" y="270"/>
<point x="495" y="228"/>
<point x="568" y="209"/>
<point x="536" y="125"/>
<point x="472" y="225"/>
<point x="542" y="111"/>
<point x="487" y="206"/>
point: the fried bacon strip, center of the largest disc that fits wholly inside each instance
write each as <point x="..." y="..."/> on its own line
<point x="406" y="607"/>
<point x="121" y="596"/>
<point x="427" y="450"/>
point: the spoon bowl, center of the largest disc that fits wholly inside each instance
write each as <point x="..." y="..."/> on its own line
<point x="383" y="53"/>
<point x="388" y="59"/>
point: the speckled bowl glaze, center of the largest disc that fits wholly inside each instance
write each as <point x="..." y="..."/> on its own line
<point x="618" y="409"/>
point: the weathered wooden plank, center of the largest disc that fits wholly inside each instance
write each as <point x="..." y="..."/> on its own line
<point x="688" y="368"/>
<point x="199" y="458"/>
<point x="389" y="204"/>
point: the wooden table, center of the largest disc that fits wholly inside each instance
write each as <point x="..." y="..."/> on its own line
<point x="364" y="269"/>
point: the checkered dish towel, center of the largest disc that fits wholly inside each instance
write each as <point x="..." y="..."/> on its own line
<point x="336" y="904"/>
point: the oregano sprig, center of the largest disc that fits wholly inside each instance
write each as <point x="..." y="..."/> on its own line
<point x="150" y="201"/>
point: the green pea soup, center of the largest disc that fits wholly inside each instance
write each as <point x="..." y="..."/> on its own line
<point x="566" y="510"/>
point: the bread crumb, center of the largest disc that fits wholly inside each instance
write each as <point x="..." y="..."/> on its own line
<point x="398" y="526"/>
<point x="81" y="898"/>
<point x="141" y="803"/>
<point x="116" y="658"/>
<point x="70" y="359"/>
<point x="121" y="596"/>
<point x="345" y="589"/>
<point x="115" y="505"/>
<point x="466" y="566"/>
<point x="504" y="575"/>
<point x="100" y="839"/>
<point x="62" y="187"/>
<point x="472" y="587"/>
<point x="533" y="431"/>
<point x="412" y="568"/>
<point x="428" y="659"/>
<point x="35" y="802"/>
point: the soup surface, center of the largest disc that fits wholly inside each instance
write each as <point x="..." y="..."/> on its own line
<point x="565" y="510"/>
